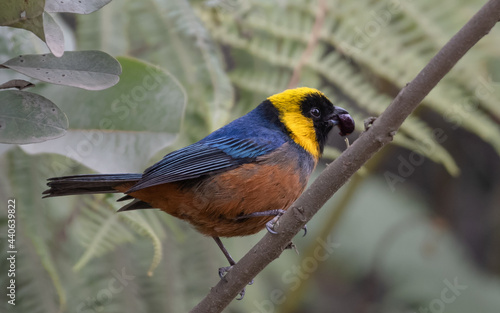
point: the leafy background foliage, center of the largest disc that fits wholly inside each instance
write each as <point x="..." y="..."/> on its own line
<point x="396" y="241"/>
<point x="31" y="118"/>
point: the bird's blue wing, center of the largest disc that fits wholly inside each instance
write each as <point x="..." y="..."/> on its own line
<point x="202" y="158"/>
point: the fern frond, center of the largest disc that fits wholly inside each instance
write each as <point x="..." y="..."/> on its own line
<point x="344" y="77"/>
<point x="100" y="231"/>
<point x="103" y="230"/>
<point x="26" y="178"/>
<point x="35" y="291"/>
<point x="187" y="23"/>
<point x="357" y="47"/>
<point x="139" y="224"/>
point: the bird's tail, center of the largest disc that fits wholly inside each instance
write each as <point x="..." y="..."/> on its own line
<point x="87" y="184"/>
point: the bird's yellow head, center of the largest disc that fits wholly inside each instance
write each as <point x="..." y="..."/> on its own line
<point x="308" y="116"/>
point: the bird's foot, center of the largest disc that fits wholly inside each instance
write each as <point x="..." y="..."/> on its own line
<point x="224" y="270"/>
<point x="368" y="122"/>
<point x="270" y="225"/>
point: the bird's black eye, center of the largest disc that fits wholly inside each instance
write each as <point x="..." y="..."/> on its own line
<point x="315" y="112"/>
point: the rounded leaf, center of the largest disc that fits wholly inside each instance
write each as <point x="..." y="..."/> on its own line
<point x="118" y="129"/>
<point x="92" y="70"/>
<point x="28" y="118"/>
<point x="54" y="37"/>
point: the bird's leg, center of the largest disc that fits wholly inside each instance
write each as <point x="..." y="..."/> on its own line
<point x="224" y="270"/>
<point x="270" y="225"/>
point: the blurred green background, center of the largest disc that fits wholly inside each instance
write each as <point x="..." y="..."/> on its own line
<point x="416" y="230"/>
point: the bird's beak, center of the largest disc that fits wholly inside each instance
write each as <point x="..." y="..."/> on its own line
<point x="343" y="120"/>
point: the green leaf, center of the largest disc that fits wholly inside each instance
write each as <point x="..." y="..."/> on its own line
<point x="120" y="128"/>
<point x="92" y="70"/>
<point x="28" y="118"/>
<point x="170" y="35"/>
<point x="30" y="15"/>
<point x="79" y="7"/>
<point x="23" y="14"/>
<point x="54" y="37"/>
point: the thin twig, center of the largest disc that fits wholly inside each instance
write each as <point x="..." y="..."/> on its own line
<point x="339" y="171"/>
<point x="311" y="43"/>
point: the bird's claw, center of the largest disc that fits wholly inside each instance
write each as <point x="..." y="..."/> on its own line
<point x="242" y="294"/>
<point x="224" y="270"/>
<point x="270" y="225"/>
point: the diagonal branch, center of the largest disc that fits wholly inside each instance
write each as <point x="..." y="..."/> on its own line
<point x="339" y="171"/>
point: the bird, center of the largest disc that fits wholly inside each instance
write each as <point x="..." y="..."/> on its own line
<point x="237" y="180"/>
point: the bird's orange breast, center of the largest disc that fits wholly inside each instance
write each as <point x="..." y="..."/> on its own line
<point x="213" y="204"/>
